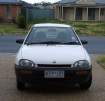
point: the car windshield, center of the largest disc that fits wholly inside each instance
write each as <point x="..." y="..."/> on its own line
<point x="52" y="35"/>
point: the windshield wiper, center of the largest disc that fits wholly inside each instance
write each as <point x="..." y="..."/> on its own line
<point x="46" y="42"/>
<point x="53" y="42"/>
<point x="72" y="43"/>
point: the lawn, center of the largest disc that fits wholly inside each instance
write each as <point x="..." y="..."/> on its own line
<point x="8" y="29"/>
<point x="101" y="60"/>
<point x="90" y="28"/>
<point x="83" y="28"/>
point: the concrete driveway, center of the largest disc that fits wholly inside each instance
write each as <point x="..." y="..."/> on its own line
<point x="95" y="46"/>
<point x="8" y="91"/>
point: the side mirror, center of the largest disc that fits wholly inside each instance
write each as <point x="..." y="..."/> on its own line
<point x="84" y="42"/>
<point x="20" y="41"/>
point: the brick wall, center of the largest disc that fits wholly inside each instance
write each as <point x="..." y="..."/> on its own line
<point x="14" y="11"/>
<point x="2" y="10"/>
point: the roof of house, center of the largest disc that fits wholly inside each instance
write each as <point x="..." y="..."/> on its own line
<point x="66" y="1"/>
<point x="10" y="1"/>
<point x="73" y="1"/>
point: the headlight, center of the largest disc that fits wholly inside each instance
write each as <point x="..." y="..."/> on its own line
<point x="26" y="63"/>
<point x="81" y="64"/>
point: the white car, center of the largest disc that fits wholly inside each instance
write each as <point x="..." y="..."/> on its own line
<point x="53" y="53"/>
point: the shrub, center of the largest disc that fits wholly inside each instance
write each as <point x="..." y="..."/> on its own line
<point x="21" y="21"/>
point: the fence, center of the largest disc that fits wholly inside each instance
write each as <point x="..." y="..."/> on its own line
<point x="35" y="13"/>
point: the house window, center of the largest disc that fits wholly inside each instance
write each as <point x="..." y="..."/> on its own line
<point x="91" y="14"/>
<point x="102" y="12"/>
<point x="79" y="13"/>
<point x="8" y="11"/>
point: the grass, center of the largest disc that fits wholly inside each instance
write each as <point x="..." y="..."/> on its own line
<point x="82" y="28"/>
<point x="101" y="61"/>
<point x="7" y="29"/>
<point x="90" y="28"/>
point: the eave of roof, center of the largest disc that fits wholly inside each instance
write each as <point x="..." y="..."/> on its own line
<point x="10" y="3"/>
<point x="69" y="1"/>
<point x="73" y="2"/>
<point x="81" y="5"/>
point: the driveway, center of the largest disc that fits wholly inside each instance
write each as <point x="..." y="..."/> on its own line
<point x="96" y="45"/>
<point x="8" y="91"/>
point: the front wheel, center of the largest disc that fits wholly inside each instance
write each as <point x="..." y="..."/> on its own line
<point x="20" y="85"/>
<point x="86" y="85"/>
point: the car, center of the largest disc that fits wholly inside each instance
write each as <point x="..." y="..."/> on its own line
<point x="53" y="53"/>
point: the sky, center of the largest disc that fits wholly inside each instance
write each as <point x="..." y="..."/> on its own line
<point x="38" y="1"/>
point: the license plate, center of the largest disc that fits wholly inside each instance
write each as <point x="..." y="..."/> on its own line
<point x="54" y="74"/>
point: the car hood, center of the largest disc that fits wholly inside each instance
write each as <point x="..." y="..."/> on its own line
<point x="48" y="54"/>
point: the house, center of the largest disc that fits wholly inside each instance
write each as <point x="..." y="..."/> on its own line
<point x="9" y="10"/>
<point x="80" y="10"/>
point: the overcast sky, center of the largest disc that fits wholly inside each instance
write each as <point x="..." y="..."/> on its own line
<point x="37" y="1"/>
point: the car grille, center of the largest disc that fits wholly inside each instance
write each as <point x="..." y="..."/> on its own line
<point x="55" y="65"/>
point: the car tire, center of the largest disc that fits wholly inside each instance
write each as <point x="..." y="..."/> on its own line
<point x="86" y="85"/>
<point x="20" y="85"/>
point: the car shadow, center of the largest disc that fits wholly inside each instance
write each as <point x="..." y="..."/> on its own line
<point x="54" y="89"/>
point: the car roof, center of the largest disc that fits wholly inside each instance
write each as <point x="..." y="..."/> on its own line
<point x="50" y="25"/>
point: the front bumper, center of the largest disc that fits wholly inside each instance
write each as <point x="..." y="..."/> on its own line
<point x="71" y="75"/>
